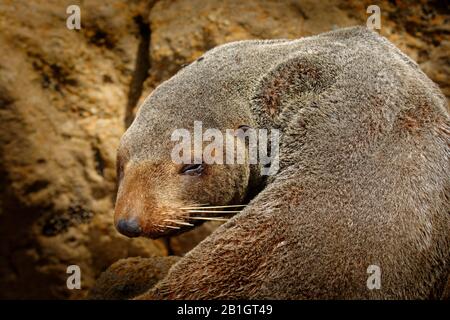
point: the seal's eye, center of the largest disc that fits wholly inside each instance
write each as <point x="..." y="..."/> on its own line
<point x="193" y="169"/>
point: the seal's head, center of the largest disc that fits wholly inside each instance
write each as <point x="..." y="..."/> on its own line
<point x="158" y="196"/>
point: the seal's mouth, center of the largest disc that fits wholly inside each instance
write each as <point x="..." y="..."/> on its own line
<point x="188" y="218"/>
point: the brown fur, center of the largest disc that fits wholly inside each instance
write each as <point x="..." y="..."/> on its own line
<point x="129" y="277"/>
<point x="363" y="179"/>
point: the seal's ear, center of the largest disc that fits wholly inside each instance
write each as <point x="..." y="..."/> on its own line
<point x="288" y="84"/>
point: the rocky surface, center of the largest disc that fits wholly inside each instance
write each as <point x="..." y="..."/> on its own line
<point x="66" y="96"/>
<point x="63" y="97"/>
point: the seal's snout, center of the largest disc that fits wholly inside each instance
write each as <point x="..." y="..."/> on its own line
<point x="129" y="227"/>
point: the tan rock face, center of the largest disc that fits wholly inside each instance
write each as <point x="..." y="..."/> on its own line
<point x="67" y="95"/>
<point x="63" y="101"/>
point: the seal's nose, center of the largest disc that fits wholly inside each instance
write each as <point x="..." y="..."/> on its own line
<point x="129" y="227"/>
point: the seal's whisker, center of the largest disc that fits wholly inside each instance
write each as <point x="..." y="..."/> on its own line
<point x="211" y="211"/>
<point x="172" y="227"/>
<point x="209" y="218"/>
<point x="197" y="205"/>
<point x="180" y="222"/>
<point x="215" y="207"/>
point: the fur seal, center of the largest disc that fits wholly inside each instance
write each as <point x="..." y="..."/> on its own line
<point x="363" y="178"/>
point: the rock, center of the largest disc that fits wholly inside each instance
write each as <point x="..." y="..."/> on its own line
<point x="127" y="278"/>
<point x="63" y="98"/>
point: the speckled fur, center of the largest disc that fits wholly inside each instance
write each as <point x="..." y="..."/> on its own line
<point x="364" y="171"/>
